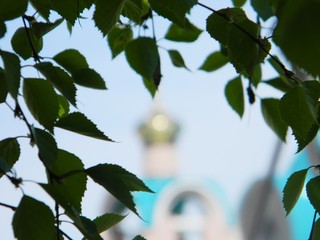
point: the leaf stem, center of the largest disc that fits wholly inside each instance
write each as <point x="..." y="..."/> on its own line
<point x="18" y="112"/>
<point x="36" y="56"/>
<point x="288" y="73"/>
<point x="57" y="220"/>
<point x="64" y="234"/>
<point x="8" y="206"/>
<point x="313" y="222"/>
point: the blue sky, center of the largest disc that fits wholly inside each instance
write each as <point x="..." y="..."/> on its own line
<point x="213" y="140"/>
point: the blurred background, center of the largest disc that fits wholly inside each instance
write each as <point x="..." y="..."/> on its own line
<point x="207" y="165"/>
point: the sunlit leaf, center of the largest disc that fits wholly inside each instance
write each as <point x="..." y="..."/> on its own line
<point x="119" y="182"/>
<point x="41" y="100"/>
<point x="60" y="79"/>
<point x="213" y="62"/>
<point x="107" y="14"/>
<point x="235" y="96"/>
<point x="64" y="106"/>
<point x="33" y="220"/>
<point x="12" y="72"/>
<point x="271" y="114"/>
<point x="188" y="33"/>
<point x="118" y="38"/>
<point x="142" y="55"/>
<point x="174" y="10"/>
<point x="12" y="9"/>
<point x="88" y="77"/>
<point x="79" y="123"/>
<point x="48" y="150"/>
<point x="71" y="60"/>
<point x="313" y="192"/>
<point x="293" y="189"/>
<point x="9" y="153"/>
<point x="106" y="221"/>
<point x="177" y="59"/>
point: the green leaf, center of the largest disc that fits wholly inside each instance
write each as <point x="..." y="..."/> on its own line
<point x="174" y="10"/>
<point x="33" y="220"/>
<point x="60" y="79"/>
<point x="313" y="192"/>
<point x="21" y="44"/>
<point x="189" y="33"/>
<point x="12" y="72"/>
<point x="9" y="153"/>
<point x="40" y="29"/>
<point x="295" y="111"/>
<point x="3" y="29"/>
<point x="289" y="38"/>
<point x="88" y="228"/>
<point x="133" y="10"/>
<point x="256" y="75"/>
<point x="244" y="52"/>
<point x="79" y="123"/>
<point x="213" y="62"/>
<point x="42" y="7"/>
<point x="150" y="85"/>
<point x="239" y="3"/>
<point x="70" y="188"/>
<point x="118" y="38"/>
<point x="271" y="114"/>
<point x="64" y="106"/>
<point x="119" y="182"/>
<point x="142" y="55"/>
<point x="69" y="9"/>
<point x="12" y="9"/>
<point x="278" y="83"/>
<point x="88" y="77"/>
<point x="107" y="14"/>
<point x="41" y="100"/>
<point x="107" y="221"/>
<point x="234" y="95"/>
<point x="177" y="59"/>
<point x="3" y="86"/>
<point x="48" y="150"/>
<point x="316" y="230"/>
<point x="312" y="91"/>
<point x="293" y="189"/>
<point x="265" y="8"/>
<point x="139" y="237"/>
<point x="71" y="60"/>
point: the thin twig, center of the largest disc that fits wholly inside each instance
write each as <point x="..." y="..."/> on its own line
<point x="64" y="234"/>
<point x="57" y="220"/>
<point x="34" y="52"/>
<point x="18" y="111"/>
<point x="313" y="222"/>
<point x="8" y="206"/>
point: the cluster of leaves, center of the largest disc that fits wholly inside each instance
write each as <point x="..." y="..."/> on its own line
<point x="52" y="98"/>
